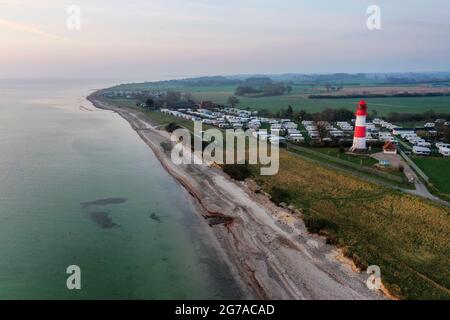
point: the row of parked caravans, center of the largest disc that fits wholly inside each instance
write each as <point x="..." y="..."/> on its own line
<point x="415" y="140"/>
<point x="236" y="122"/>
<point x="384" y="124"/>
<point x="386" y="137"/>
<point x="344" y="125"/>
<point x="272" y="138"/>
<point x="288" y="127"/>
<point x="313" y="131"/>
<point x="444" y="150"/>
<point x="219" y="119"/>
<point x="311" y="128"/>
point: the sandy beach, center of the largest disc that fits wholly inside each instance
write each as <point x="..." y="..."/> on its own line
<point x="268" y="247"/>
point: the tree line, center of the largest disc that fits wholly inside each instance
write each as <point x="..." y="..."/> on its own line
<point x="428" y="115"/>
<point x="262" y="87"/>
<point x="379" y="95"/>
<point x="172" y="99"/>
<point x="330" y="115"/>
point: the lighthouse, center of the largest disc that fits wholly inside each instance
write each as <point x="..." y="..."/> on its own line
<point x="359" y="140"/>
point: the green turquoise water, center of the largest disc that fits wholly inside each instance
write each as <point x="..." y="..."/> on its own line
<point x="58" y="152"/>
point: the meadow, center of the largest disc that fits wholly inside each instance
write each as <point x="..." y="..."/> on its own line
<point x="403" y="234"/>
<point x="438" y="170"/>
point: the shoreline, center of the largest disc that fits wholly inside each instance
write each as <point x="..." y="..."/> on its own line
<point x="268" y="248"/>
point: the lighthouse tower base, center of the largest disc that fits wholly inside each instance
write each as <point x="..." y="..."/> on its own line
<point x="359" y="144"/>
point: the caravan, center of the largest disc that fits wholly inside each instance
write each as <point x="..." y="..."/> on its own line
<point x="422" y="151"/>
<point x="444" y="151"/>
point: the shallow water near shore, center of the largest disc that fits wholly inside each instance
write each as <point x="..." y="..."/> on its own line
<point x="79" y="187"/>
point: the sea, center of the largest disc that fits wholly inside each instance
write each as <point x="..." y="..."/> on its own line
<point x="86" y="209"/>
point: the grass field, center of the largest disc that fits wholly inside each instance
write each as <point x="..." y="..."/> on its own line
<point x="382" y="105"/>
<point x="335" y="152"/>
<point x="298" y="100"/>
<point x="438" y="170"/>
<point x="405" y="235"/>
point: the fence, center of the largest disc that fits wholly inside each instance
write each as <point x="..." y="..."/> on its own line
<point x="414" y="166"/>
<point x="351" y="165"/>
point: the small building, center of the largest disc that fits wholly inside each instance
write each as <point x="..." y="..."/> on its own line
<point x="389" y="148"/>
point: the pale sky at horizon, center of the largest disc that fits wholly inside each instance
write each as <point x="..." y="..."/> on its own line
<point x="150" y="40"/>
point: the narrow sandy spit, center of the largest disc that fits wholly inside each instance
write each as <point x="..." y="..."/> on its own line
<point x="268" y="248"/>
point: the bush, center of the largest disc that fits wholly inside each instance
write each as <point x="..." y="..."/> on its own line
<point x="375" y="144"/>
<point x="167" y="146"/>
<point x="345" y="143"/>
<point x="171" y="127"/>
<point x="238" y="172"/>
<point x="316" y="144"/>
<point x="359" y="262"/>
<point x="316" y="225"/>
<point x="280" y="195"/>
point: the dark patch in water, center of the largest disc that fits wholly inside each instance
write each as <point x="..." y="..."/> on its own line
<point x="102" y="219"/>
<point x="155" y="217"/>
<point x="103" y="202"/>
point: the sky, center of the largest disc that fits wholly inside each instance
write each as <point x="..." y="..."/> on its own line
<point x="162" y="39"/>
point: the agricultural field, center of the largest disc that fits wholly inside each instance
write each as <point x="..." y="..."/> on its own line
<point x="400" y="233"/>
<point x="438" y="170"/>
<point x="382" y="105"/>
<point x="298" y="99"/>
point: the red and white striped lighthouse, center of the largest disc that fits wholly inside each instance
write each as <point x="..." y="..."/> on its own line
<point x="359" y="140"/>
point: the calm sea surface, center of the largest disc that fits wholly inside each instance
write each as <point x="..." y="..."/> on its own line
<point x="79" y="187"/>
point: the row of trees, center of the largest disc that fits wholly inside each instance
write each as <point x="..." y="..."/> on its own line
<point x="330" y="115"/>
<point x="429" y="115"/>
<point x="443" y="132"/>
<point x="365" y="95"/>
<point x="172" y="99"/>
<point x="262" y="87"/>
